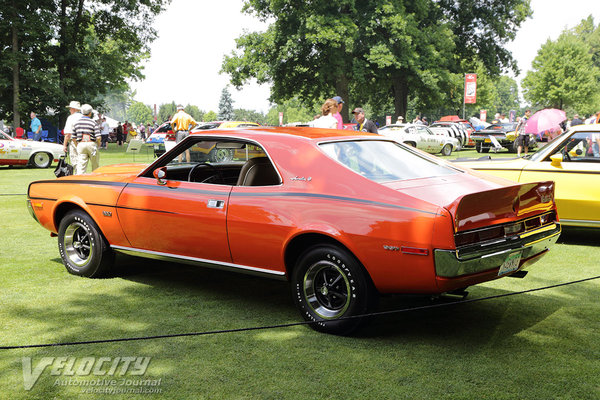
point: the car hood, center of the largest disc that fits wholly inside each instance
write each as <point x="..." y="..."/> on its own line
<point x="497" y="163"/>
<point x="121" y="169"/>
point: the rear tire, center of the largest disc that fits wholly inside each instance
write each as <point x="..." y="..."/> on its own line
<point x="328" y="283"/>
<point x="41" y="160"/>
<point x="82" y="247"/>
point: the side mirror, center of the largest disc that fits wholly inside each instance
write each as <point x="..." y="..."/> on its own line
<point x="556" y="159"/>
<point x="161" y="175"/>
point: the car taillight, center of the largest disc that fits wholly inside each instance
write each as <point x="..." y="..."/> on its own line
<point x="503" y="231"/>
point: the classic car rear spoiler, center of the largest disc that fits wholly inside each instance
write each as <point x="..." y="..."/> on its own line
<point x="502" y="205"/>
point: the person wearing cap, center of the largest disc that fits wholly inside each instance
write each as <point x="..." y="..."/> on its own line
<point x="181" y="124"/>
<point x="337" y="115"/>
<point x="69" y="143"/>
<point x="86" y="130"/>
<point x="400" y="119"/>
<point x="362" y="123"/>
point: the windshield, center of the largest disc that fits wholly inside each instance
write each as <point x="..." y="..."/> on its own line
<point x="543" y="152"/>
<point x="4" y="136"/>
<point x="497" y="127"/>
<point x="383" y="161"/>
<point x="579" y="147"/>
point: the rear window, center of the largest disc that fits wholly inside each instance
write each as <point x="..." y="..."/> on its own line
<point x="383" y="161"/>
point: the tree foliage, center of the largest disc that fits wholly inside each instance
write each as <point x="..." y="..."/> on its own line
<point x="240" y="114"/>
<point x="293" y="111"/>
<point x="195" y="112"/>
<point x="210" y="116"/>
<point x="563" y="75"/>
<point x="166" y="111"/>
<point x="371" y="52"/>
<point x="73" y="49"/>
<point x="140" y="113"/>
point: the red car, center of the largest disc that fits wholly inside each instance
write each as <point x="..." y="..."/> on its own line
<point x="344" y="216"/>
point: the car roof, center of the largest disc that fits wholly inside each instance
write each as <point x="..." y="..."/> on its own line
<point x="314" y="134"/>
<point x="586" y="128"/>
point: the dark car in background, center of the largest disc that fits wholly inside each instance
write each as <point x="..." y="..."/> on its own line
<point x="504" y="133"/>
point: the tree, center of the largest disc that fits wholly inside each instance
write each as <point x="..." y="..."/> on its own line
<point x="508" y="94"/>
<point x="374" y="51"/>
<point x="590" y="34"/>
<point x="240" y="114"/>
<point x="293" y="111"/>
<point x="210" y="116"/>
<point x="195" y="112"/>
<point x="563" y="75"/>
<point x="307" y="51"/>
<point x="166" y="111"/>
<point x="225" y="105"/>
<point x="25" y="73"/>
<point x="117" y="102"/>
<point x="63" y="50"/>
<point x="139" y="113"/>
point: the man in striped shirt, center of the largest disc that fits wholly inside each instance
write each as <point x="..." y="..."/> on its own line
<point x="86" y="130"/>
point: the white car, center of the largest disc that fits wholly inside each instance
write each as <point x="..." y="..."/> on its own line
<point x="421" y="137"/>
<point x="451" y="129"/>
<point x="28" y="152"/>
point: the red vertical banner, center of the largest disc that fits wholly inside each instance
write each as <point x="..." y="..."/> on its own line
<point x="280" y="118"/>
<point x="470" y="88"/>
<point x="483" y="115"/>
<point x="388" y="119"/>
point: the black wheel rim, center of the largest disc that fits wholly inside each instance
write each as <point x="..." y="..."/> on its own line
<point x="327" y="289"/>
<point x="78" y="245"/>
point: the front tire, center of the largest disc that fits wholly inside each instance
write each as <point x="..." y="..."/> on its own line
<point x="447" y="149"/>
<point x="328" y="283"/>
<point x="82" y="247"/>
<point x="41" y="160"/>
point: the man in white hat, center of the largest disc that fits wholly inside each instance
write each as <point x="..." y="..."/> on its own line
<point x="69" y="143"/>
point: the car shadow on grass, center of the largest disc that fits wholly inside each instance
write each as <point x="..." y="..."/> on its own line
<point x="580" y="236"/>
<point x="271" y="300"/>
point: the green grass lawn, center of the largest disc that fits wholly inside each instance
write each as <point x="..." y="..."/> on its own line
<point x="540" y="345"/>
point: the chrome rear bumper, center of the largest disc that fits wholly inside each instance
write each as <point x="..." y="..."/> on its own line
<point x="489" y="256"/>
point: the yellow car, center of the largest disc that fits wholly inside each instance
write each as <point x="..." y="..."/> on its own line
<point x="572" y="161"/>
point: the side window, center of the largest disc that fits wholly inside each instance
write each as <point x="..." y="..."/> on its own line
<point x="219" y="162"/>
<point x="581" y="147"/>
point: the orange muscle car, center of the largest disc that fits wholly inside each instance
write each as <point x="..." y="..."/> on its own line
<point x="345" y="216"/>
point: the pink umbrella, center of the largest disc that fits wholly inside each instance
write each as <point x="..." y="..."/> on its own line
<point x="545" y="120"/>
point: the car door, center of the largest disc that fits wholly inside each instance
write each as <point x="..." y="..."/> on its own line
<point x="577" y="179"/>
<point x="9" y="149"/>
<point x="183" y="214"/>
<point x="179" y="218"/>
<point x="430" y="144"/>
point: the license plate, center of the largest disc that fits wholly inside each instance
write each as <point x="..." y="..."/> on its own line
<point x="488" y="140"/>
<point x="510" y="264"/>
